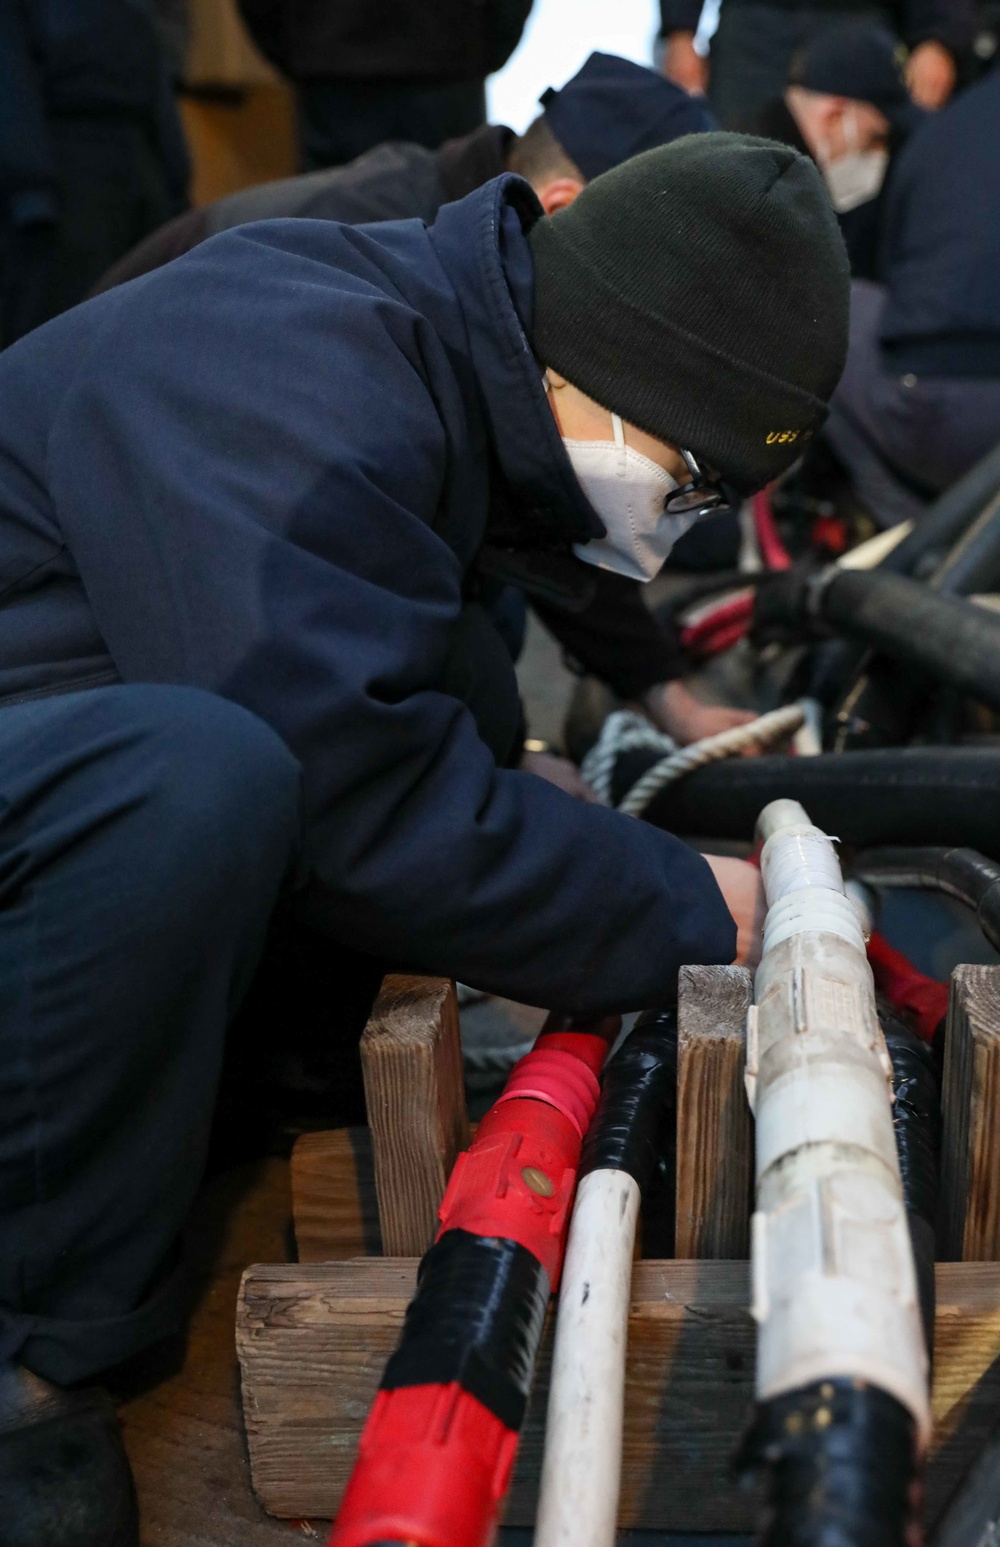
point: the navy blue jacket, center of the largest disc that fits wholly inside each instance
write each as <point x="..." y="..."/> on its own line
<point x="941" y="256"/>
<point x="267" y="470"/>
<point x="73" y="58"/>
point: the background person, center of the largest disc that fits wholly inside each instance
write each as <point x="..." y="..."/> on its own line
<point x="919" y="402"/>
<point x="92" y="155"/>
<point x="847" y="106"/>
<point x="365" y="71"/>
<point x="756" y="40"/>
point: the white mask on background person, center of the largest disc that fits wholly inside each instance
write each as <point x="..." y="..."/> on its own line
<point x="855" y="178"/>
<point x="628" y="492"/>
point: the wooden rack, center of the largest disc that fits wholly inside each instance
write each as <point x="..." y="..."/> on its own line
<point x="313" y="1337"/>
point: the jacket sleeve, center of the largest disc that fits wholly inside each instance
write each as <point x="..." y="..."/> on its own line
<point x="27" y="176"/>
<point x="679" y="16"/>
<point x="615" y="638"/>
<point x="261" y="527"/>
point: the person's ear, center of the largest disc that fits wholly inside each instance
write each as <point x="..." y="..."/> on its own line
<point x="557" y="194"/>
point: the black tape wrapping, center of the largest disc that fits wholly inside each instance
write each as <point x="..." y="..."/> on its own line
<point x="476" y="1318"/>
<point x="636" y="1089"/>
<point x="841" y="1462"/>
<point x="916" y="1118"/>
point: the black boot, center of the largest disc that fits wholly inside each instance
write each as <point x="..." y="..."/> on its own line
<point x="65" y="1480"/>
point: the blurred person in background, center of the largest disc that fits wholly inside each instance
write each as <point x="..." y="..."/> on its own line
<point x="92" y="154"/>
<point x="919" y="402"/>
<point x="846" y="105"/>
<point x="756" y="39"/>
<point x="365" y="71"/>
<point x="610" y="110"/>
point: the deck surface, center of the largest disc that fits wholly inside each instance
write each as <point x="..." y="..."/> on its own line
<point x="185" y="1435"/>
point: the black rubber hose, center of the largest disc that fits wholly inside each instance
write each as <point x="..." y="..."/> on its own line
<point x="973" y="564"/>
<point x="962" y="873"/>
<point x="636" y="1088"/>
<point x="916" y="1120"/>
<point x="909" y="795"/>
<point x="841" y="1462"/>
<point x="941" y="526"/>
<point x="950" y="640"/>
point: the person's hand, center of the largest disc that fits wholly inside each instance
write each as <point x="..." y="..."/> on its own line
<point x="930" y="75"/>
<point x="559" y="771"/>
<point x="683" y="65"/>
<point x="743" y="893"/>
<point x="674" y="709"/>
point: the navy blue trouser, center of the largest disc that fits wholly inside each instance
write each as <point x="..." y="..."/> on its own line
<point x="145" y="835"/>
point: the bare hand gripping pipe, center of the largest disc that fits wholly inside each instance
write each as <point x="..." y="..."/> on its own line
<point x="581" y="1471"/>
<point x="436" y="1453"/>
<point x="843" y="1415"/>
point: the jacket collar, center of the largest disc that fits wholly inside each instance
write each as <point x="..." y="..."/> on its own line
<point x="467" y="163"/>
<point x="481" y="241"/>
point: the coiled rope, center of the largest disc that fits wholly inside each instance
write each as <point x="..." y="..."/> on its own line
<point x="625" y="731"/>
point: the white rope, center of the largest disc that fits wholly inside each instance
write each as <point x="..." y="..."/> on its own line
<point x="625" y="731"/>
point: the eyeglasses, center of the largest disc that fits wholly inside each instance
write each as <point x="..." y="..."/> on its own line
<point x="702" y="495"/>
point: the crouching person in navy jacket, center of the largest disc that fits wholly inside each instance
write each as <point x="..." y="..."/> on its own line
<point x="246" y="506"/>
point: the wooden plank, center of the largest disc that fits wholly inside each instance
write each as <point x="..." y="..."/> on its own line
<point x="313" y="1340"/>
<point x="334" y="1204"/>
<point x="714" y="1127"/>
<point x="970" y="1164"/>
<point x="411" y="1056"/>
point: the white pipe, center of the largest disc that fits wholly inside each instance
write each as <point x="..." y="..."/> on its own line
<point x="834" y="1285"/>
<point x="581" y="1471"/>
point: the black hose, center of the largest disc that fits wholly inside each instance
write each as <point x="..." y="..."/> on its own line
<point x="841" y="1462"/>
<point x="916" y="1120"/>
<point x="636" y="1088"/>
<point x="941" y="526"/>
<point x="909" y="795"/>
<point x="635" y="1126"/>
<point x="973" y="564"/>
<point x="962" y="873"/>
<point x="950" y="640"/>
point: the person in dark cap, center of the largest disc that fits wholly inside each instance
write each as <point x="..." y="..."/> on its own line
<point x="609" y="110"/>
<point x="234" y="596"/>
<point x="919" y="403"/>
<point x="755" y="41"/>
<point x="846" y="104"/>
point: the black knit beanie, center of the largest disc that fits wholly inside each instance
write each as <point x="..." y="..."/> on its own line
<point x="700" y="291"/>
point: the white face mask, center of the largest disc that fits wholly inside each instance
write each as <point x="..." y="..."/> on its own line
<point x="628" y="491"/>
<point x="855" y="178"/>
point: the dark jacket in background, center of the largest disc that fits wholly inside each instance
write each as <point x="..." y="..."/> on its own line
<point x="949" y="22"/>
<point x="79" y="59"/>
<point x="615" y="636"/>
<point x="404" y="40"/>
<point x="294" y="524"/>
<point x="92" y="155"/>
<point x="941" y="259"/>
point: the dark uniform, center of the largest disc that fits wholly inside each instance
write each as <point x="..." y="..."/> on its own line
<point x="372" y="70"/>
<point x="287" y="540"/>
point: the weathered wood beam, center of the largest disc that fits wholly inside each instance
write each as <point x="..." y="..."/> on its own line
<point x="313" y="1340"/>
<point x="411" y="1057"/>
<point x="714" y="1127"/>
<point x="969" y="1227"/>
